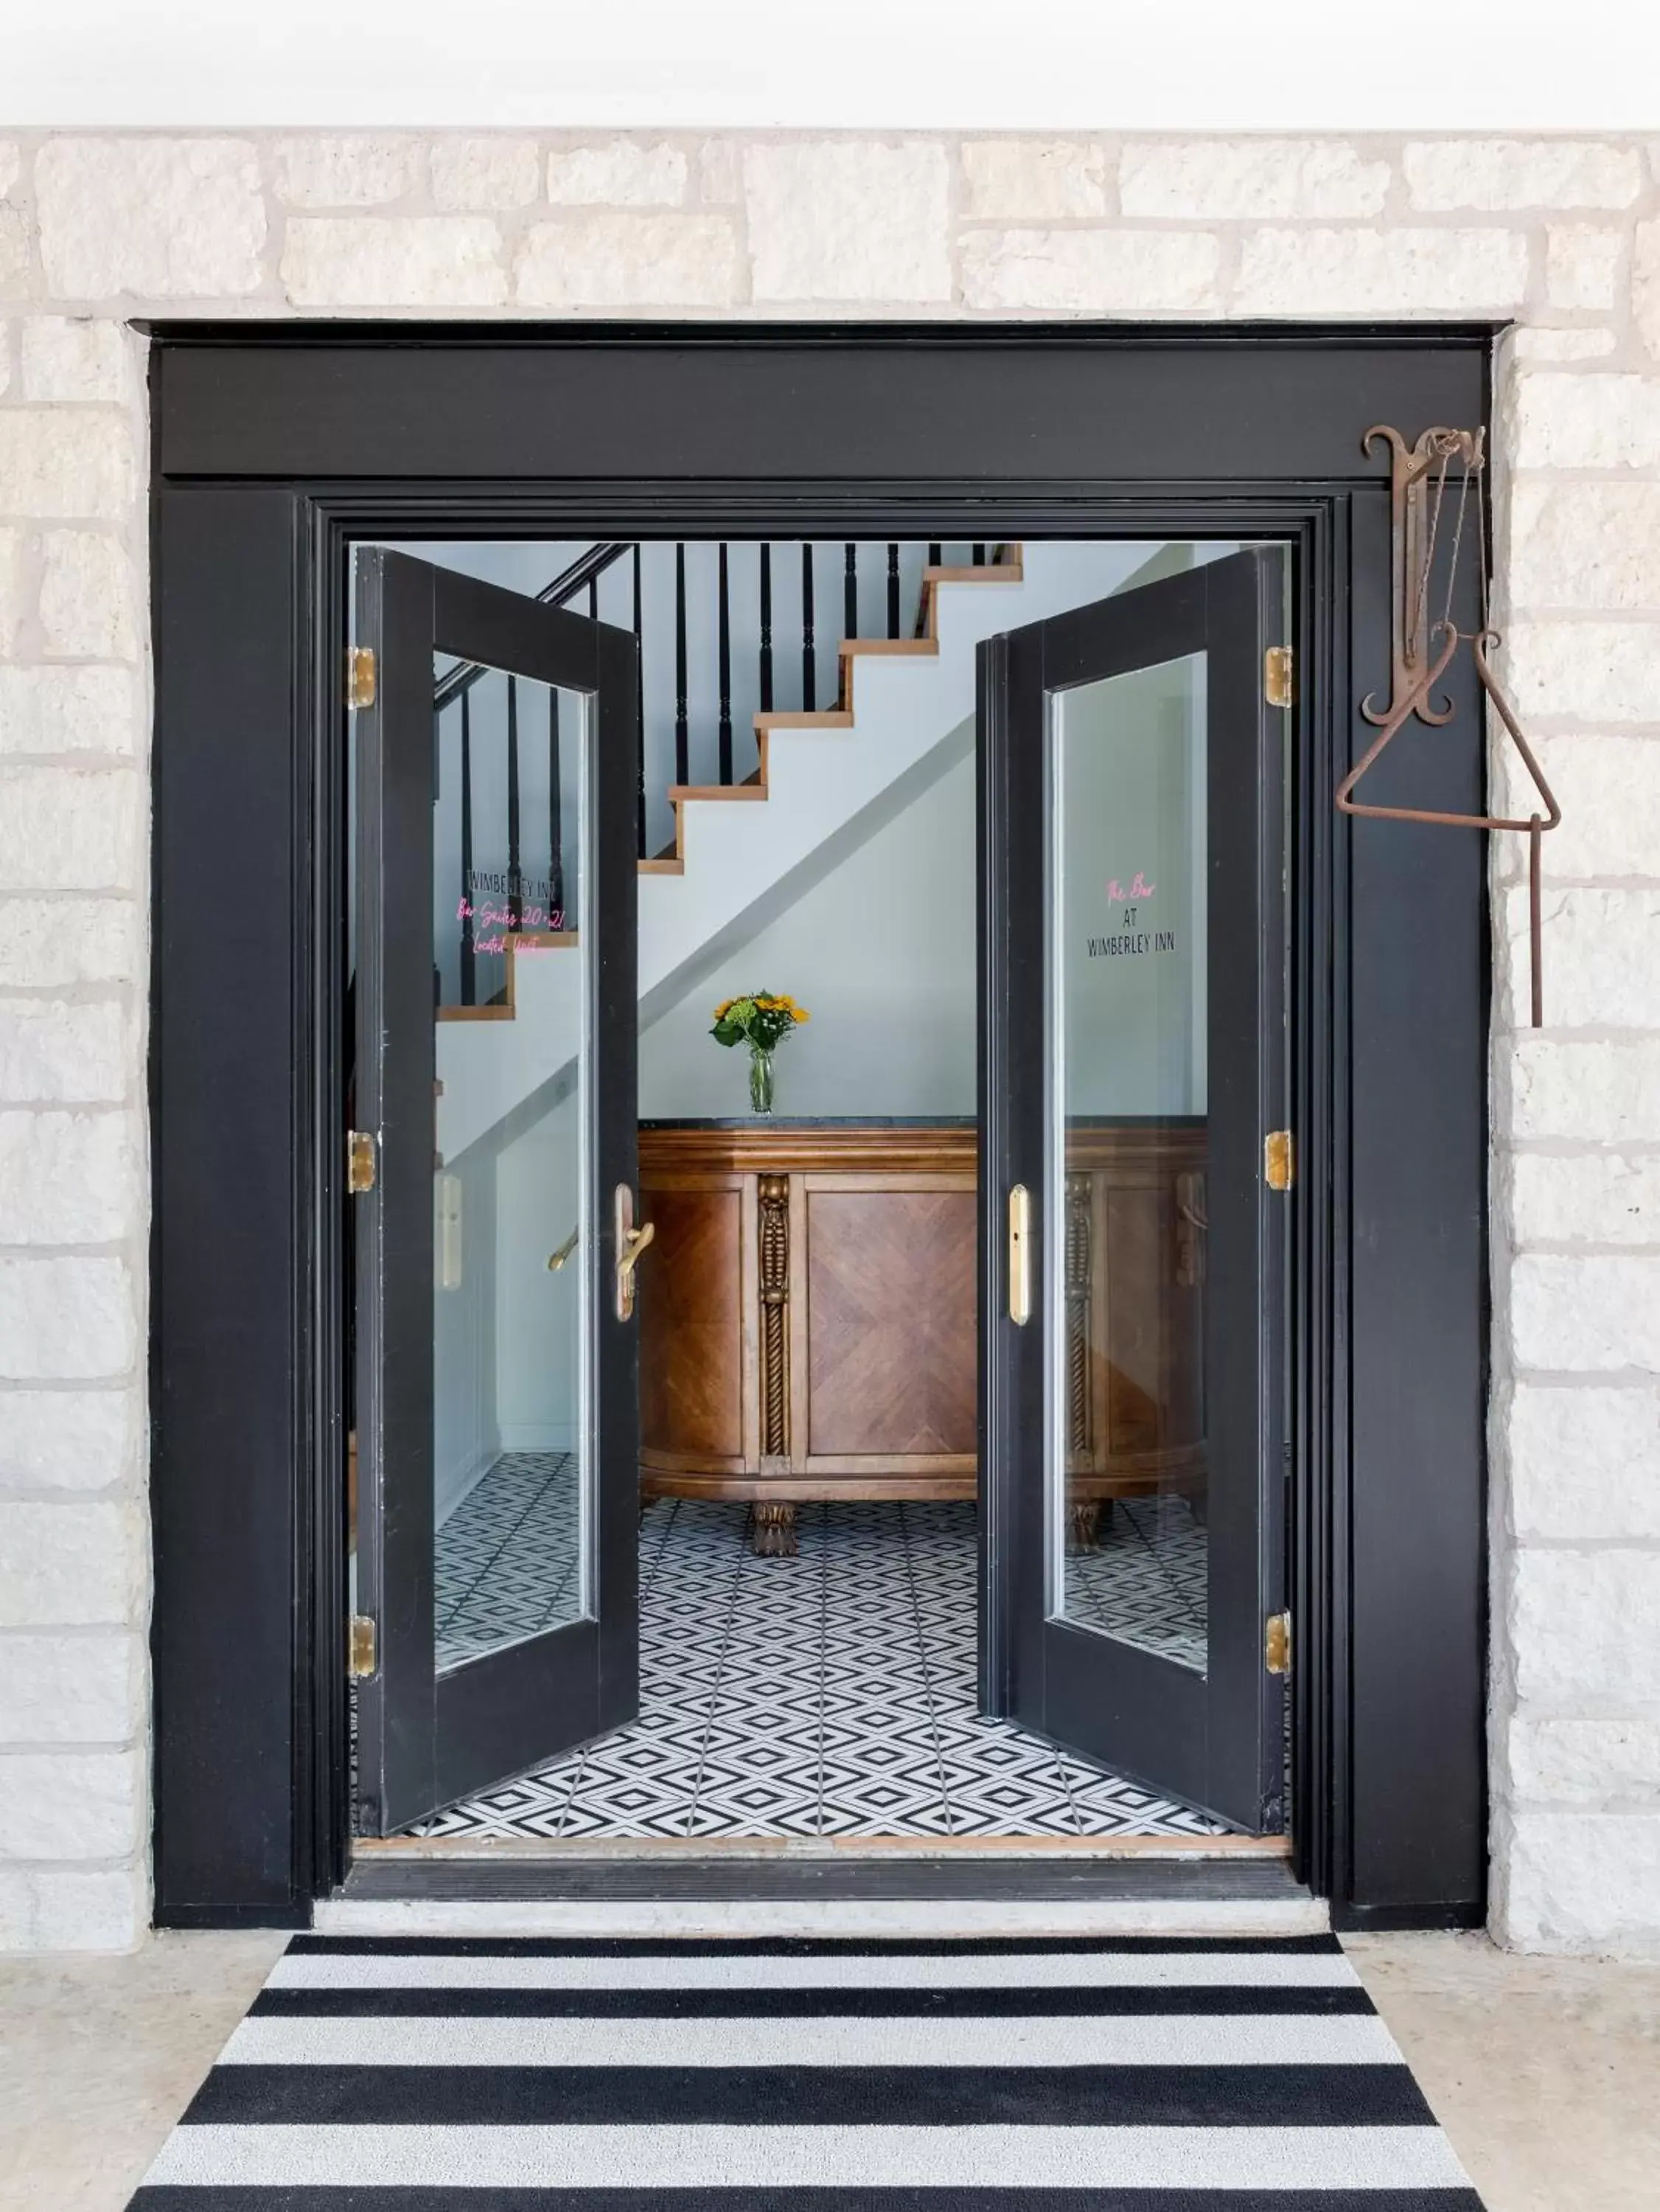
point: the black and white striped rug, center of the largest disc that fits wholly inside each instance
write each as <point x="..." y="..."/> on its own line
<point x="1137" y="2075"/>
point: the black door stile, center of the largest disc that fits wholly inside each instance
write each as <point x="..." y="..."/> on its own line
<point x="427" y="1738"/>
<point x="1211" y="1738"/>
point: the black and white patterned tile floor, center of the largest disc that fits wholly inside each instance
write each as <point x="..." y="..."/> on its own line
<point x="829" y="1695"/>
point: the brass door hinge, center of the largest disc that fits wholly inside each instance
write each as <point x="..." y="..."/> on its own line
<point x="360" y="1655"/>
<point x="360" y="1161"/>
<point x="359" y="676"/>
<point x="1276" y="1644"/>
<point x="1279" y="676"/>
<point x="1279" y="1160"/>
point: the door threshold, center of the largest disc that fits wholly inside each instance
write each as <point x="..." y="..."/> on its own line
<point x="934" y="1895"/>
<point x="843" y="1850"/>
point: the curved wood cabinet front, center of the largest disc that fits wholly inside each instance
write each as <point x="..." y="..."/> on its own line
<point x="808" y="1323"/>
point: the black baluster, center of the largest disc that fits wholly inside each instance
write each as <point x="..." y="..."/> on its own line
<point x="640" y="717"/>
<point x="726" y="657"/>
<point x="766" y="629"/>
<point x="808" y="688"/>
<point x="593" y="599"/>
<point x="515" y="880"/>
<point x="934" y="556"/>
<point x="893" y="591"/>
<point x="555" y="831"/>
<point x="682" y="736"/>
<point x="469" y="957"/>
<point x="850" y="593"/>
<point x="979" y="557"/>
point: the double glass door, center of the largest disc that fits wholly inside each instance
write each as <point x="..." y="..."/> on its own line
<point x="1131" y="984"/>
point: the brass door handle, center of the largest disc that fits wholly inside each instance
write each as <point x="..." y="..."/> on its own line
<point x="1019" y="1255"/>
<point x="631" y="1242"/>
<point x="556" y="1260"/>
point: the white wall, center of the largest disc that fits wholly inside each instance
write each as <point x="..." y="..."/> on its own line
<point x="881" y="953"/>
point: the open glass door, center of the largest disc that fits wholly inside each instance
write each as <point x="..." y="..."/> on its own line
<point x="496" y="1355"/>
<point x="1133" y="953"/>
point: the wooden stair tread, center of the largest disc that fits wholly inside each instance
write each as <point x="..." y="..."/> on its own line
<point x="678" y="793"/>
<point x="1004" y="572"/>
<point x="850" y="646"/>
<point x="824" y="718"/>
<point x="662" y="867"/>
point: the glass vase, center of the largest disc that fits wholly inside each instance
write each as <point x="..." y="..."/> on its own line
<point x="761" y="1080"/>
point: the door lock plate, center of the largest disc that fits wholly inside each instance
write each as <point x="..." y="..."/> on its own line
<point x="1276" y="1644"/>
<point x="360" y="1652"/>
<point x="1279" y="1160"/>
<point x="360" y="1161"/>
<point x="1019" y="1255"/>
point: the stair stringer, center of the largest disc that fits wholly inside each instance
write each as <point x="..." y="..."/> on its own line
<point x="744" y="864"/>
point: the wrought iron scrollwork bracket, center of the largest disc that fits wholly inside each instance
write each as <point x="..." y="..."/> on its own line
<point x="1423" y="645"/>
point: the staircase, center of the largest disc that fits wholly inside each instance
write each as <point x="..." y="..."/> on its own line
<point x="739" y="851"/>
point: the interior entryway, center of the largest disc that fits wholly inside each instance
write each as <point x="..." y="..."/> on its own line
<point x="986" y="832"/>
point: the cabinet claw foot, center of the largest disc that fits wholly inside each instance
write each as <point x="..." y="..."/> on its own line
<point x="774" y="1532"/>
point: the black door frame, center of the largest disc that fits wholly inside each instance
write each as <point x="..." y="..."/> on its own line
<point x="274" y="447"/>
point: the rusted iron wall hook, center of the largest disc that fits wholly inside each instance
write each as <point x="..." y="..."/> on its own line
<point x="1422" y="649"/>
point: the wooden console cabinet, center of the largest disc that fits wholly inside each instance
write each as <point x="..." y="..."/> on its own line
<point x="808" y="1315"/>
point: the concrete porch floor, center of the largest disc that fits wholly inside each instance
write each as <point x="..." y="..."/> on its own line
<point x="1545" y="2072"/>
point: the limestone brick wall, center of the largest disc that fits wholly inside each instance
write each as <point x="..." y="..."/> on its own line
<point x="1562" y="237"/>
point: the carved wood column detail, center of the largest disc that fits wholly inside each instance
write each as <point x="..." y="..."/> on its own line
<point x="773" y="1195"/>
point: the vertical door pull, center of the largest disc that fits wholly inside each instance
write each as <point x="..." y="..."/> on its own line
<point x="1019" y="1255"/>
<point x="631" y="1242"/>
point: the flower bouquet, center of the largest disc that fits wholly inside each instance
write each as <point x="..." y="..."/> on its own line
<point x="760" y="1020"/>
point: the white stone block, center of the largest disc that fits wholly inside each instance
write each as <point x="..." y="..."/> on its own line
<point x="89" y="596"/>
<point x="73" y="1320"/>
<point x="57" y="1052"/>
<point x="628" y="259"/>
<point x="393" y="261"/>
<point x="484" y="173"/>
<point x="83" y="1686"/>
<point x="12" y="591"/>
<point x="1579" y="1882"/>
<point x="1595" y="671"/>
<point x="69" y="1805"/>
<point x="1520" y="172"/>
<point x="849" y="219"/>
<point x="1033" y="179"/>
<point x="13" y="250"/>
<point x="70" y="1440"/>
<point x="1582" y="1198"/>
<point x="1608" y="789"/>
<point x="69" y="829"/>
<point x="69" y="463"/>
<point x="619" y="173"/>
<point x="1406" y="271"/>
<point x="1601" y="954"/>
<point x="347" y="169"/>
<point x="1572" y="1316"/>
<point x="1585" y="1757"/>
<point x="1583" y="264"/>
<point x="11" y="165"/>
<point x="170" y="218"/>
<point x="68" y="1178"/>
<point x="1584" y="1461"/>
<point x="1580" y="344"/>
<point x="1645" y="282"/>
<point x="67" y="710"/>
<point x="46" y="1909"/>
<point x="1591" y="419"/>
<point x="720" y="172"/>
<point x="1592" y="1089"/>
<point x="48" y="943"/>
<point x="78" y="358"/>
<point x="1259" y="179"/>
<point x="1595" y="546"/>
<point x="71" y="1565"/>
<point x="1583" y="1625"/>
<point x="1094" y="272"/>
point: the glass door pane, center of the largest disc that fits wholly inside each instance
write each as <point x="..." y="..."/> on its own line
<point x="512" y="1331"/>
<point x="1128" y="1021"/>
